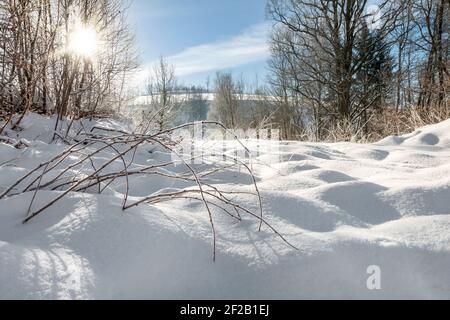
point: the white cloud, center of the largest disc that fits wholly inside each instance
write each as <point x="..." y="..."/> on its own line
<point x="249" y="46"/>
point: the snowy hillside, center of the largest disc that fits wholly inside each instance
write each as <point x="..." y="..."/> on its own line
<point x="344" y="206"/>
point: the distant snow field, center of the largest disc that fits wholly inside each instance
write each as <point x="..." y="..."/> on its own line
<point x="349" y="208"/>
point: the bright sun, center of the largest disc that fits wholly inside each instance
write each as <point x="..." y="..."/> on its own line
<point x="84" y="42"/>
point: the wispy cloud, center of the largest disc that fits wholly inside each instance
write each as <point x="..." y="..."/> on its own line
<point x="249" y="46"/>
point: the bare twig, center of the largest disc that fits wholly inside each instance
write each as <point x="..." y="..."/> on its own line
<point x="124" y="145"/>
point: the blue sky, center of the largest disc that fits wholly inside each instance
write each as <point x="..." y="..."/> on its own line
<point x="202" y="36"/>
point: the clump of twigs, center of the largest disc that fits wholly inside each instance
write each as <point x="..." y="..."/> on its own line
<point x="84" y="174"/>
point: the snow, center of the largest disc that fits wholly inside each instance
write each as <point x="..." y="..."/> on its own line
<point x="433" y="135"/>
<point x="344" y="206"/>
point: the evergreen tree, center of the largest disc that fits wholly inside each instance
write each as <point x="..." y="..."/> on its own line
<point x="373" y="81"/>
<point x="374" y="78"/>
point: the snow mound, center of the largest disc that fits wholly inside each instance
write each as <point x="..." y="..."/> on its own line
<point x="37" y="128"/>
<point x="433" y="135"/>
<point x="344" y="206"/>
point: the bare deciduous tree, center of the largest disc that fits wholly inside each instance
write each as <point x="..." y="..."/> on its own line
<point x="332" y="59"/>
<point x="163" y="104"/>
<point x="39" y="70"/>
<point x="227" y="96"/>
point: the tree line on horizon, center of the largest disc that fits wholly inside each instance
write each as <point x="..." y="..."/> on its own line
<point x="339" y="69"/>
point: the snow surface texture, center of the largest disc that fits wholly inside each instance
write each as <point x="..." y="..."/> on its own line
<point x="345" y="206"/>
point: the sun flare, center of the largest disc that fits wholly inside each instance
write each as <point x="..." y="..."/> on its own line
<point x="84" y="42"/>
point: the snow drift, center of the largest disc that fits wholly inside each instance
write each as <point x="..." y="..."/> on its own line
<point x="344" y="206"/>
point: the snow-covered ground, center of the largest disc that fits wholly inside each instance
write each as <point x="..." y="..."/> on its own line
<point x="345" y="206"/>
